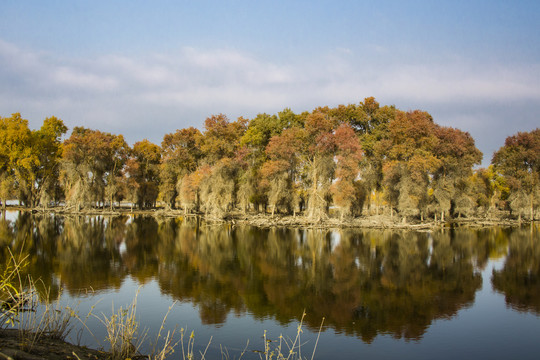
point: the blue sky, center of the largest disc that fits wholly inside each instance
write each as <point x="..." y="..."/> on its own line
<point x="147" y="68"/>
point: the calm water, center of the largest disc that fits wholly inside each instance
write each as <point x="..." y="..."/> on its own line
<point x="384" y="294"/>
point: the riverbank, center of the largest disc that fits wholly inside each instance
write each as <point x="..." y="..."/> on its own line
<point x="12" y="347"/>
<point x="267" y="220"/>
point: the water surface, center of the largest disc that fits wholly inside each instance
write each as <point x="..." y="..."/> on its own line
<point x="383" y="294"/>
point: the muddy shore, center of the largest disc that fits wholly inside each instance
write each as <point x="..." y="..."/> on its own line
<point x="267" y="220"/>
<point x="12" y="347"/>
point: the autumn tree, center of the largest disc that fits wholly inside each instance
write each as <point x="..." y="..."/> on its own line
<point x="370" y="122"/>
<point x="457" y="154"/>
<point x="489" y="190"/>
<point x="348" y="157"/>
<point x="374" y="149"/>
<point x="410" y="161"/>
<point x="220" y="149"/>
<point x="317" y="163"/>
<point x="189" y="188"/>
<point x="180" y="155"/>
<point x="29" y="158"/>
<point x="142" y="169"/>
<point x="48" y="146"/>
<point x="280" y="171"/>
<point x="519" y="162"/>
<point x="92" y="164"/>
<point x="254" y="141"/>
<point x="221" y="137"/>
<point x="218" y="187"/>
<point x="16" y="156"/>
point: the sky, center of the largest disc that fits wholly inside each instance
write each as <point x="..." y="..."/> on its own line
<point x="146" y="68"/>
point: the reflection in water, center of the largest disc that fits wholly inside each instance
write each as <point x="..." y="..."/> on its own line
<point x="363" y="282"/>
<point x="519" y="280"/>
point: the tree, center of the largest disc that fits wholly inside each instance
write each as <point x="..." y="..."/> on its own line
<point x="48" y="146"/>
<point x="409" y="161"/>
<point x="180" y="155"/>
<point x="143" y="168"/>
<point x="92" y="163"/>
<point x="16" y="157"/>
<point x="221" y="138"/>
<point x="318" y="163"/>
<point x="457" y="153"/>
<point x="279" y="173"/>
<point x="375" y="145"/>
<point x="220" y="148"/>
<point x="218" y="188"/>
<point x="519" y="162"/>
<point x="489" y="188"/>
<point x="254" y="141"/>
<point x="348" y="157"/>
<point x="29" y="159"/>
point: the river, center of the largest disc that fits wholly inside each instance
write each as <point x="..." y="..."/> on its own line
<point x="383" y="294"/>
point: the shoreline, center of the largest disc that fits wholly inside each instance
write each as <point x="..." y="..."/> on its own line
<point x="265" y="220"/>
<point x="12" y="347"/>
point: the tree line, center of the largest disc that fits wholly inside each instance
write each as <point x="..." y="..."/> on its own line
<point x="352" y="159"/>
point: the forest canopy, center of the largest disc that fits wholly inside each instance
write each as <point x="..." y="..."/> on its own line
<point x="347" y="161"/>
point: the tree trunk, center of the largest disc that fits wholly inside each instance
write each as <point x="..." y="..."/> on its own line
<point x="532" y="208"/>
<point x="442" y="216"/>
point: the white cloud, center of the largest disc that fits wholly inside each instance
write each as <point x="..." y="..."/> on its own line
<point x="461" y="82"/>
<point x="73" y="78"/>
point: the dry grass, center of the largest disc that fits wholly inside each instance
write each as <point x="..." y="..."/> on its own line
<point x="33" y="314"/>
<point x="287" y="349"/>
<point x="10" y="296"/>
<point x="123" y="331"/>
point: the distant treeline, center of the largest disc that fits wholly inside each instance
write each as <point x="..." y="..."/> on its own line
<point x="357" y="158"/>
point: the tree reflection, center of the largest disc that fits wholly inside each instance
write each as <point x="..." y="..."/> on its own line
<point x="364" y="282"/>
<point x="519" y="279"/>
